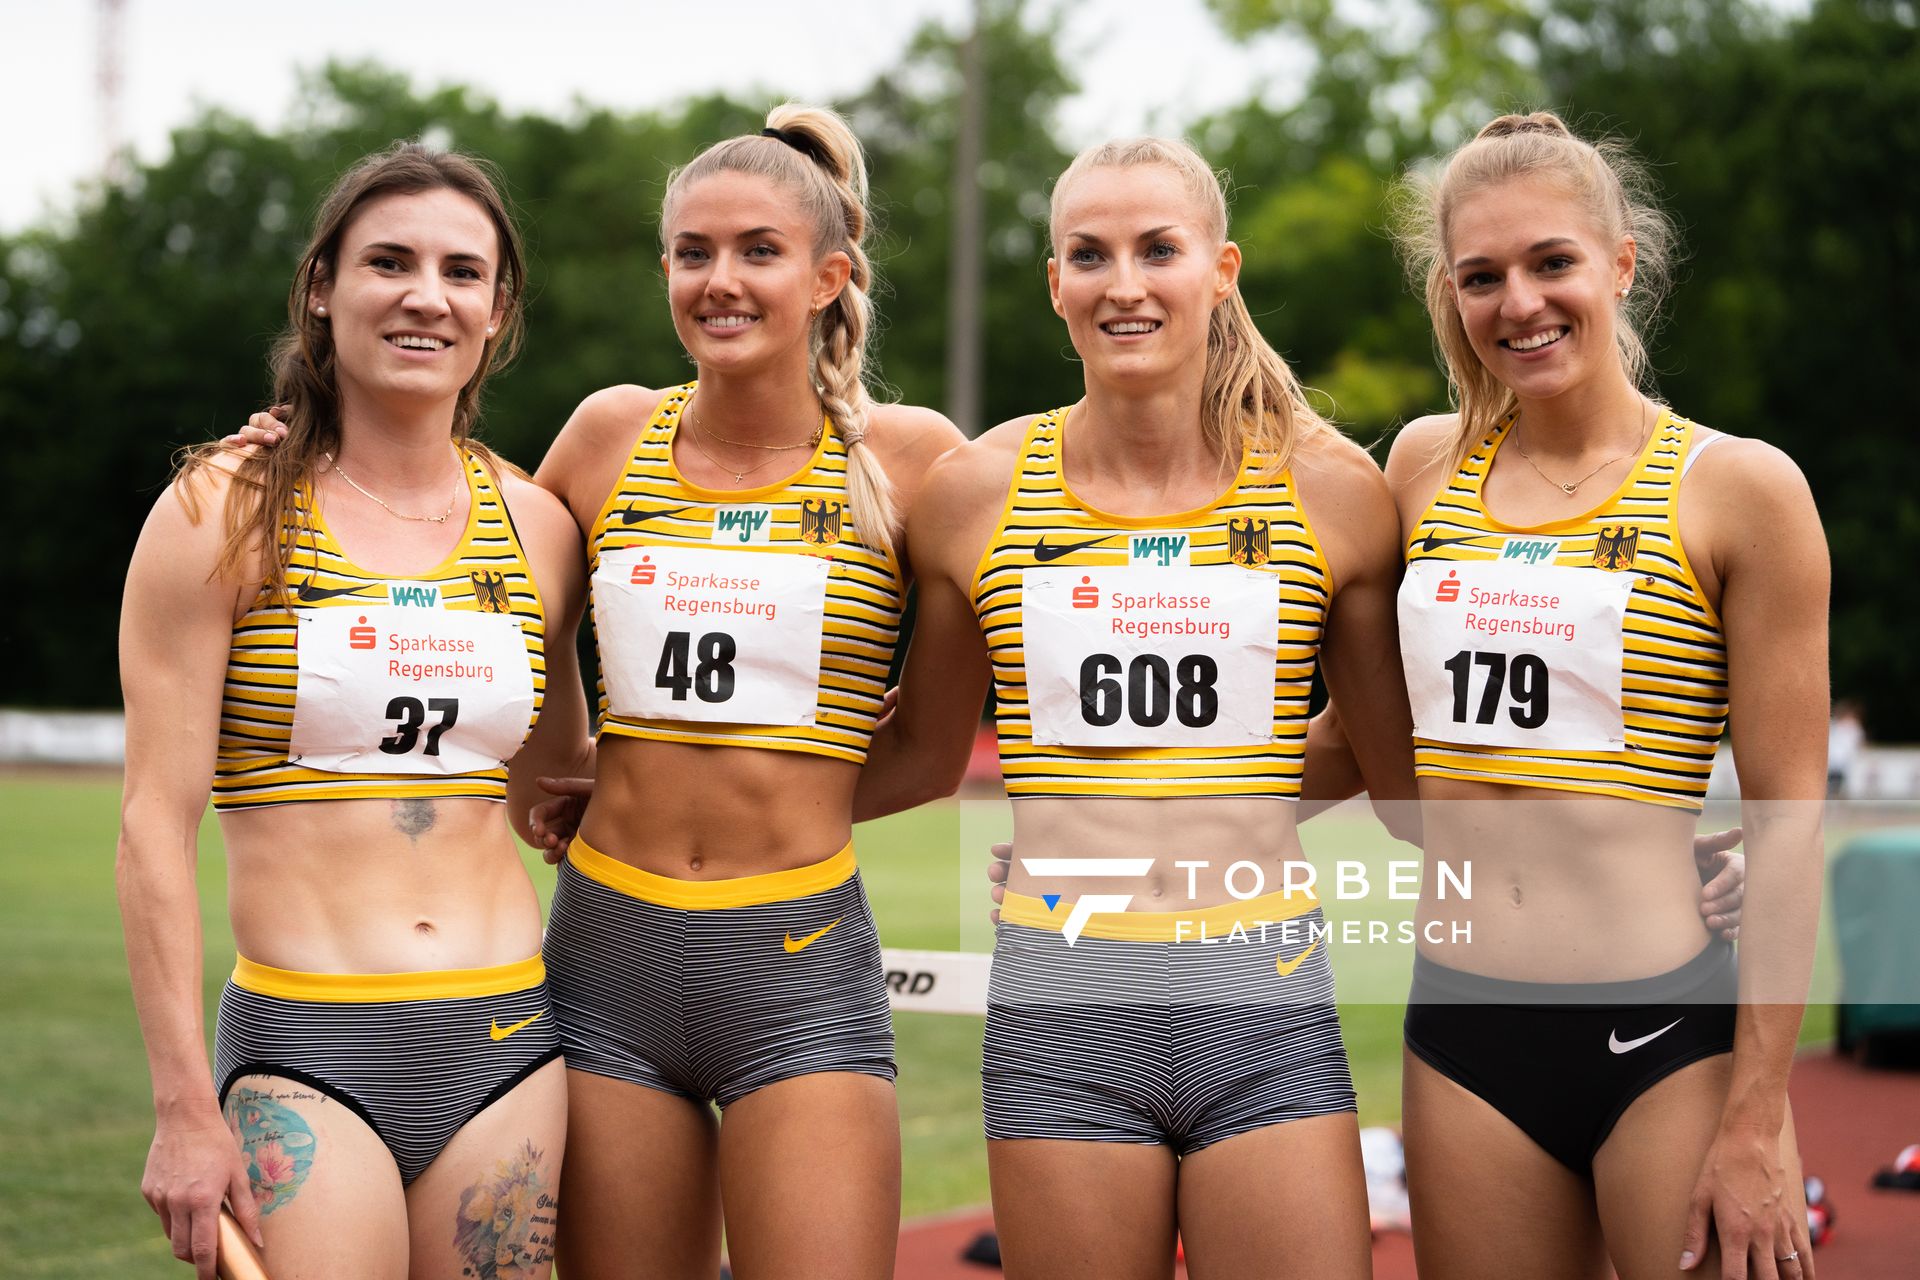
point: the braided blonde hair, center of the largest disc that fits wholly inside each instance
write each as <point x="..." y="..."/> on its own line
<point x="1604" y="176"/>
<point x="1250" y="398"/>
<point x="818" y="158"/>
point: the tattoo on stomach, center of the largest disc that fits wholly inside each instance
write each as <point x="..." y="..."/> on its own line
<point x="414" y="818"/>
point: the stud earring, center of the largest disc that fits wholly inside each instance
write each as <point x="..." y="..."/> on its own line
<point x="320" y="309"/>
<point x="489" y="331"/>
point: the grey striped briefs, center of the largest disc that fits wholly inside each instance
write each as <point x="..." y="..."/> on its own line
<point x="1181" y="1043"/>
<point x="415" y="1055"/>
<point x="712" y="989"/>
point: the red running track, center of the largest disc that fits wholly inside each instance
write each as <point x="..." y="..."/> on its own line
<point x="1852" y="1121"/>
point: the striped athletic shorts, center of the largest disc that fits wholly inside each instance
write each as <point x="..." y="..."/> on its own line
<point x="1156" y="1027"/>
<point x="415" y="1055"/>
<point x="711" y="989"/>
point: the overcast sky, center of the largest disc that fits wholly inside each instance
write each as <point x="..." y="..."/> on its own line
<point x="1141" y="65"/>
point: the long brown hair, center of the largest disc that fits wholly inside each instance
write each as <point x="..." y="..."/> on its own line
<point x="1250" y="398"/>
<point x="811" y="152"/>
<point x="262" y="508"/>
<point x="1618" y="195"/>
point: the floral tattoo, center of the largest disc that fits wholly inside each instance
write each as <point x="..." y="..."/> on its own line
<point x="277" y="1142"/>
<point x="503" y="1229"/>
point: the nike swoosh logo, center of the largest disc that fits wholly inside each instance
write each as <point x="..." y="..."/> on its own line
<point x="1615" y="1043"/>
<point x="1043" y="553"/>
<point x="1431" y="543"/>
<point x="630" y="516"/>
<point x="809" y="940"/>
<point x="1285" y="968"/>
<point x="307" y="593"/>
<point x="501" y="1033"/>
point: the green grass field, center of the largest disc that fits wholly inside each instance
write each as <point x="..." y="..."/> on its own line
<point x="75" y="1114"/>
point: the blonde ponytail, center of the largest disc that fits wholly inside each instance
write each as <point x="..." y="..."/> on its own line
<point x="1250" y="398"/>
<point x="812" y="152"/>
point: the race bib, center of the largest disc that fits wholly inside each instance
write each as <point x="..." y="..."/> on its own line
<point x="1508" y="655"/>
<point x="408" y="689"/>
<point x="1126" y="657"/>
<point x="729" y="637"/>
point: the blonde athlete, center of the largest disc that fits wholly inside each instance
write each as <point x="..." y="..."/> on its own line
<point x="1151" y="575"/>
<point x="711" y="945"/>
<point x="348" y="638"/>
<point x="1595" y="588"/>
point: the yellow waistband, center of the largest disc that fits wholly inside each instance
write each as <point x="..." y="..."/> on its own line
<point x="706" y="895"/>
<point x="374" y="988"/>
<point x="1162" y="926"/>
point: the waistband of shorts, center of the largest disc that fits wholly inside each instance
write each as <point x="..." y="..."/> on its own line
<point x="709" y="895"/>
<point x="1191" y="925"/>
<point x="383" y="988"/>
<point x="1435" y="983"/>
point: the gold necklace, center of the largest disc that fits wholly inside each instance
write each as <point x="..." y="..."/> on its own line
<point x="442" y="518"/>
<point x="713" y="435"/>
<point x="693" y="438"/>
<point x="1570" y="488"/>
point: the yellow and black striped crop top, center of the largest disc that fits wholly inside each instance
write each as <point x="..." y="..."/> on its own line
<point x="806" y="514"/>
<point x="1673" y="677"/>
<point x="486" y="573"/>
<point x="1256" y="527"/>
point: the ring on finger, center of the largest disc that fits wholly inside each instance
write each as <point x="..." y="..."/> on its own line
<point x="1788" y="1257"/>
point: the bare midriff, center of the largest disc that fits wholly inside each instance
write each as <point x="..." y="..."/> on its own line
<point x="717" y="813"/>
<point x="1219" y="832"/>
<point x="1565" y="887"/>
<point x="379" y="886"/>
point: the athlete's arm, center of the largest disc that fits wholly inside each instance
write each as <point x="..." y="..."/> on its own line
<point x="1351" y="509"/>
<point x="175" y="631"/>
<point x="584" y="462"/>
<point x="920" y="753"/>
<point x="1769" y="553"/>
<point x="559" y="743"/>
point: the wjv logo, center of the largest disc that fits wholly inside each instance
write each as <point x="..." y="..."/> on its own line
<point x="752" y="524"/>
<point x="1087" y="904"/>
<point x="1531" y="550"/>
<point x="1159" y="550"/>
<point x="416" y="595"/>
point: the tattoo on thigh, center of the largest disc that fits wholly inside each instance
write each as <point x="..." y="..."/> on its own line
<point x="277" y="1140"/>
<point x="414" y="818"/>
<point x="503" y="1229"/>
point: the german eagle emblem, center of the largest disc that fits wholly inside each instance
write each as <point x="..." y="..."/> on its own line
<point x="1247" y="541"/>
<point x="820" y="522"/>
<point x="1615" y="546"/>
<point x="490" y="592"/>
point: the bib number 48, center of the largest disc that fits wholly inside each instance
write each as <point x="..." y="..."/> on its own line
<point x="706" y="668"/>
<point x="1149" y="694"/>
<point x="1523" y="675"/>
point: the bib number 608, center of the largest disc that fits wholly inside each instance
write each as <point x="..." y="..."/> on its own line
<point x="1150" y="693"/>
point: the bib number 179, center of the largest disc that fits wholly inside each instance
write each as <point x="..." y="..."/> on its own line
<point x="1524" y="676"/>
